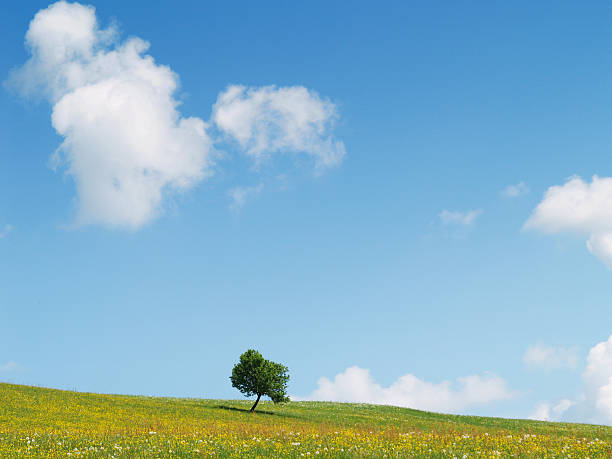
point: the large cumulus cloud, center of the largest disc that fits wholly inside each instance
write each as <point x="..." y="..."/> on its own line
<point x="125" y="143"/>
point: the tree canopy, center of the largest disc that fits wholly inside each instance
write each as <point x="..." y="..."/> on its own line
<point x="254" y="375"/>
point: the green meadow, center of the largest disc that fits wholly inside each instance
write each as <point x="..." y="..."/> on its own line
<point x="40" y="422"/>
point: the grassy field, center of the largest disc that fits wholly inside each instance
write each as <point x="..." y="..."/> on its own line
<point x="37" y="422"/>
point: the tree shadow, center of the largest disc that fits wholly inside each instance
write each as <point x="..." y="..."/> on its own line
<point x="245" y="410"/>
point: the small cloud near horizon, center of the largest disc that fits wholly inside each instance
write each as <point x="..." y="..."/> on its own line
<point x="546" y="411"/>
<point x="594" y="404"/>
<point x="357" y="385"/>
<point x="9" y="366"/>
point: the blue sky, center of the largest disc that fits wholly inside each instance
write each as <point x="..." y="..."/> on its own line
<point x="376" y="239"/>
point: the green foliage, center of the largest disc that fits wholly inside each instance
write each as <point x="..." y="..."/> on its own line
<point x="254" y="375"/>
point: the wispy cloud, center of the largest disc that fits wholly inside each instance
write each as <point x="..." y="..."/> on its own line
<point x="357" y="385"/>
<point x="514" y="191"/>
<point x="5" y="230"/>
<point x="8" y="367"/>
<point x="550" y="357"/>
<point x="240" y="195"/>
<point x="545" y="411"/>
<point x="268" y="119"/>
<point x="459" y="218"/>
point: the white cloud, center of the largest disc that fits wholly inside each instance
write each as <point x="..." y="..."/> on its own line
<point x="459" y="218"/>
<point x="268" y="119"/>
<point x="598" y="380"/>
<point x="357" y="385"/>
<point x="594" y="404"/>
<point x="239" y="195"/>
<point x="125" y="144"/>
<point x="514" y="191"/>
<point x="579" y="207"/>
<point x="9" y="366"/>
<point x="550" y="357"/>
<point x="5" y="230"/>
<point x="549" y="412"/>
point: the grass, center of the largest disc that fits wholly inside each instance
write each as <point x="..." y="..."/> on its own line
<point x="39" y="422"/>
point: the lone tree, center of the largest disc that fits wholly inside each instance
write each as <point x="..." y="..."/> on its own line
<point x="254" y="375"/>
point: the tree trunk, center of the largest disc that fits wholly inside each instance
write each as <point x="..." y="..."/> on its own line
<point x="256" y="402"/>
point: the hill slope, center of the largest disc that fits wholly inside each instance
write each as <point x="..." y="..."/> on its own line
<point x="41" y="422"/>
